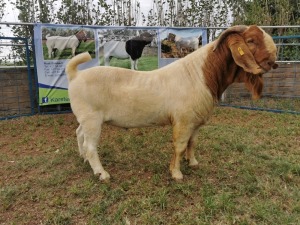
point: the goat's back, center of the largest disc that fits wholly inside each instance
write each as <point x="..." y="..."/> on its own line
<point x="115" y="49"/>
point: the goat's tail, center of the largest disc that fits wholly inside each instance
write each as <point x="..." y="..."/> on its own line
<point x="71" y="68"/>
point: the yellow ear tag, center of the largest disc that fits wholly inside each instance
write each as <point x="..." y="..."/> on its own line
<point x="241" y="51"/>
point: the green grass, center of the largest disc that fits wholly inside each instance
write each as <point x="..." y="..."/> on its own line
<point x="249" y="173"/>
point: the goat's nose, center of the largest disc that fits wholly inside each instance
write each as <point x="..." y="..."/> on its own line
<point x="272" y="64"/>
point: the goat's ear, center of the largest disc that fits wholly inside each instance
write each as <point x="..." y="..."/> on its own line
<point x="227" y="32"/>
<point x="242" y="55"/>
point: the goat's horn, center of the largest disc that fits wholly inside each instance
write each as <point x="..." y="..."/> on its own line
<point x="231" y="30"/>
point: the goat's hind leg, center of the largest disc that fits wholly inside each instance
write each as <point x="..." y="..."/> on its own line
<point x="91" y="131"/>
<point x="80" y="140"/>
<point x="106" y="60"/>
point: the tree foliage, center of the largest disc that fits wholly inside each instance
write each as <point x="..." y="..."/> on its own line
<point x="2" y="9"/>
<point x="188" y="13"/>
<point x="266" y="12"/>
<point x="180" y="13"/>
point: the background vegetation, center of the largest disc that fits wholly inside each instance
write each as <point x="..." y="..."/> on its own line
<point x="199" y="13"/>
<point x="180" y="13"/>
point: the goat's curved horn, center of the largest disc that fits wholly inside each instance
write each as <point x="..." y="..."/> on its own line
<point x="231" y="30"/>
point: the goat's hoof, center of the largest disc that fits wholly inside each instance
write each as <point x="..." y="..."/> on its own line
<point x="177" y="175"/>
<point x="193" y="163"/>
<point x="104" y="176"/>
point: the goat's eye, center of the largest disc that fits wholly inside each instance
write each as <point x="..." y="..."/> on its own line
<point x="250" y="40"/>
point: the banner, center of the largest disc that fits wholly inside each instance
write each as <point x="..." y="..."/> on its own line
<point x="140" y="48"/>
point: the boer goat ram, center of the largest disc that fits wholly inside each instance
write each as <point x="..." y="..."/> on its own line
<point x="182" y="94"/>
<point x="60" y="43"/>
<point x="132" y="49"/>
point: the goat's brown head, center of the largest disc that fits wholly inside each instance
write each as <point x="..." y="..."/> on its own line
<point x="171" y="37"/>
<point x="254" y="51"/>
<point x="81" y="35"/>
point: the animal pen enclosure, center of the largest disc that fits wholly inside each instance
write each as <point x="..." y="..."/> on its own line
<point x="18" y="83"/>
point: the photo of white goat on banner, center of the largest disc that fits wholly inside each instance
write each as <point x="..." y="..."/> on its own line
<point x="125" y="48"/>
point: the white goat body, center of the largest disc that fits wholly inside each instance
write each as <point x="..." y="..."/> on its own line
<point x="182" y="94"/>
<point x="115" y="49"/>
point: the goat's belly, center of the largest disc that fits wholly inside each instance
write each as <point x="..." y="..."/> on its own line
<point x="120" y="55"/>
<point x="131" y="120"/>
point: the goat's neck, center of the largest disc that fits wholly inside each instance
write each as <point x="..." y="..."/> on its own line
<point x="219" y="70"/>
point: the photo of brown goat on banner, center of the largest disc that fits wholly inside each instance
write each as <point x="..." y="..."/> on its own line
<point x="59" y="43"/>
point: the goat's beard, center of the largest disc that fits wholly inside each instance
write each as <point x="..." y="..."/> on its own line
<point x="255" y="84"/>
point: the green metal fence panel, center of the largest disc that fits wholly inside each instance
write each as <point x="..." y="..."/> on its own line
<point x="16" y="79"/>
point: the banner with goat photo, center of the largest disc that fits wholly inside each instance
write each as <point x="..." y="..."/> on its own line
<point x="136" y="48"/>
<point x="54" y="46"/>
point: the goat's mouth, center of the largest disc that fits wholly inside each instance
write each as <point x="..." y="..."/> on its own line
<point x="263" y="69"/>
<point x="266" y="66"/>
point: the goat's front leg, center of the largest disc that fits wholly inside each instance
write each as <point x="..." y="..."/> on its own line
<point x="134" y="64"/>
<point x="73" y="51"/>
<point x="190" y="153"/>
<point x="91" y="131"/>
<point x="50" y="53"/>
<point x="181" y="136"/>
